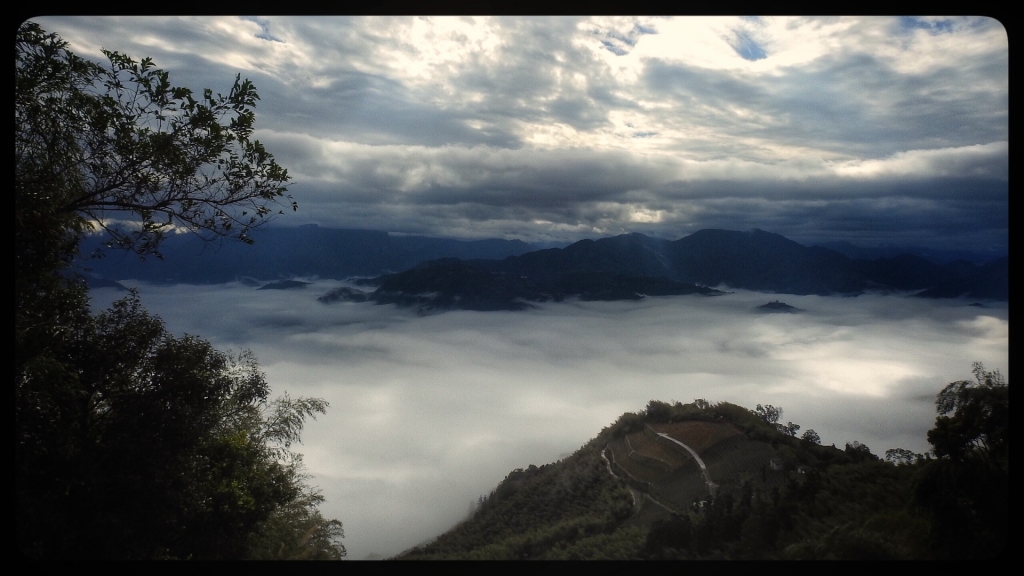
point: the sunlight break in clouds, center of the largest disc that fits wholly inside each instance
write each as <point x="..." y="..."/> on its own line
<point x="499" y="122"/>
<point x="982" y="160"/>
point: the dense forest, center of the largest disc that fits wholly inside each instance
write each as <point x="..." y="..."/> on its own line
<point x="132" y="443"/>
<point x="775" y="495"/>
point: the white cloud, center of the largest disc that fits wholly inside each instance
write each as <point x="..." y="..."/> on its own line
<point x="428" y="413"/>
<point x="977" y="161"/>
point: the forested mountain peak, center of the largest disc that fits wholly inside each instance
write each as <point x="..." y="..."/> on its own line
<point x="719" y="481"/>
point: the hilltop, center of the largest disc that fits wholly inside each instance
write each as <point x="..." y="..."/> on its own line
<point x="716" y="481"/>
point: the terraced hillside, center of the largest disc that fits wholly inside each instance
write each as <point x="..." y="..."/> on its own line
<point x="643" y="458"/>
<point x="651" y="462"/>
<point x="697" y="434"/>
<point x="761" y="493"/>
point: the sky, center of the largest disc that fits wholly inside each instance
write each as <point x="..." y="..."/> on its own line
<point x="873" y="130"/>
<point x="428" y="413"/>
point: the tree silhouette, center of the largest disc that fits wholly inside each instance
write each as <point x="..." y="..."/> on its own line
<point x="811" y="436"/>
<point x="966" y="488"/>
<point x="131" y="443"/>
<point x="973" y="418"/>
<point x="119" y="148"/>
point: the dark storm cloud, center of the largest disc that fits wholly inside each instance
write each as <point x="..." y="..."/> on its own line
<point x="586" y="190"/>
<point x="566" y="128"/>
<point x="376" y="110"/>
<point x="850" y="104"/>
<point x="860" y="104"/>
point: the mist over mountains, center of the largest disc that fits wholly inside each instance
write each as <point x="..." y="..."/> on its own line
<point x="497" y="274"/>
<point x="284" y="253"/>
<point x="632" y="266"/>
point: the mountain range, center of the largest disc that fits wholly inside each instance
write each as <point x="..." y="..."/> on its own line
<point x="503" y="274"/>
<point x="286" y="253"/>
<point x="631" y="266"/>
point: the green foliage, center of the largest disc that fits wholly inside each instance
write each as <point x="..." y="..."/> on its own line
<point x="859" y="452"/>
<point x="769" y="413"/>
<point x="791" y="428"/>
<point x="562" y="510"/>
<point x="134" y="444"/>
<point x="297" y="531"/>
<point x="626" y="424"/>
<point x="973" y="418"/>
<point x="902" y="456"/>
<point x="811" y="436"/>
<point x="131" y="443"/>
<point x="968" y="503"/>
<point x="966" y="489"/>
<point x="838" y="505"/>
<point x="658" y="411"/>
<point x="95" y="144"/>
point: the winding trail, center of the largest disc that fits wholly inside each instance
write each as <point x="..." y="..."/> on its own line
<point x="608" y="465"/>
<point x="633" y="491"/>
<point x="703" y="468"/>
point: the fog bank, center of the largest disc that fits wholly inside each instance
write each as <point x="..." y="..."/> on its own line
<point x="429" y="412"/>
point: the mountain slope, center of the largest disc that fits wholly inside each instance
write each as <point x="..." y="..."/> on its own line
<point x="760" y="260"/>
<point x="621" y="267"/>
<point x="450" y="283"/>
<point x="739" y="489"/>
<point x="632" y="266"/>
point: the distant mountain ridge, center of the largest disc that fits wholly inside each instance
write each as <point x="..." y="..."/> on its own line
<point x="937" y="256"/>
<point x="759" y="260"/>
<point x="625" y="266"/>
<point x="283" y="253"/>
<point x="451" y="283"/>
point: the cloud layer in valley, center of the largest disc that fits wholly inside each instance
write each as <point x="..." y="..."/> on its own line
<point x="869" y="129"/>
<point x="430" y="412"/>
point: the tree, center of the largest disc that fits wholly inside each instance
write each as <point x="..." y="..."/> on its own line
<point x="131" y="443"/>
<point x="151" y="446"/>
<point x="859" y="452"/>
<point x="769" y="413"/>
<point x="297" y="531"/>
<point x="902" y="456"/>
<point x="658" y="411"/>
<point x="966" y="488"/>
<point x="119" y="148"/>
<point x="973" y="418"/>
<point x="811" y="436"/>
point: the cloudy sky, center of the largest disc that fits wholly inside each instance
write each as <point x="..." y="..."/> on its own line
<point x="430" y="412"/>
<point x="872" y="130"/>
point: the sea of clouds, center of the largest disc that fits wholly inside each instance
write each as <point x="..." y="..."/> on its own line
<point x="427" y="413"/>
